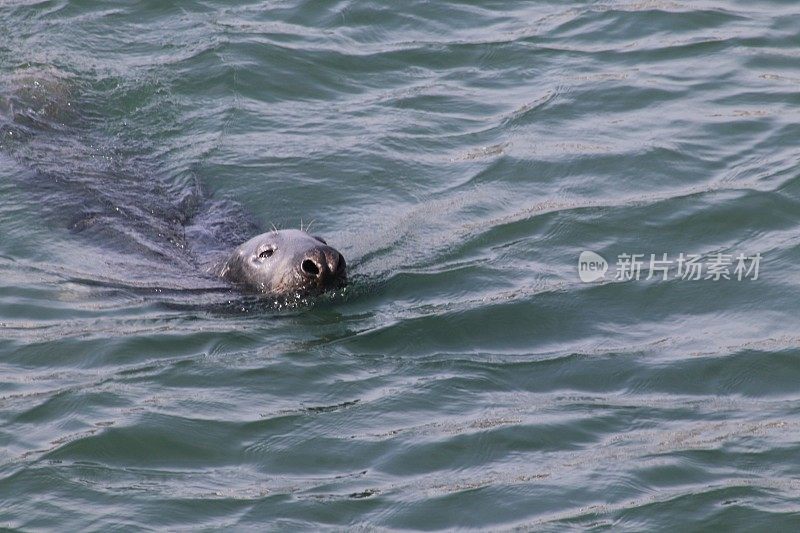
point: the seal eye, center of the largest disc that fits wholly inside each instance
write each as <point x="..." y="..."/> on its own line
<point x="266" y="253"/>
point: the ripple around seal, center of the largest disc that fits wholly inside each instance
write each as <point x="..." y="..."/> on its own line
<point x="461" y="155"/>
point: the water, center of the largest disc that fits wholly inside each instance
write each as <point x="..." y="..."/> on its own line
<point x="461" y="155"/>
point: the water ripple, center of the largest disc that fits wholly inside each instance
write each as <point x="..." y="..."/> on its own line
<point x="461" y="155"/>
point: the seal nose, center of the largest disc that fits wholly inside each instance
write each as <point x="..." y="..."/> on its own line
<point x="323" y="264"/>
<point x="311" y="268"/>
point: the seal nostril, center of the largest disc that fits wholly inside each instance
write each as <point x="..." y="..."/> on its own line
<point x="310" y="267"/>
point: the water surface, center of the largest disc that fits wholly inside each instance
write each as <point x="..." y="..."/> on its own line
<point x="461" y="155"/>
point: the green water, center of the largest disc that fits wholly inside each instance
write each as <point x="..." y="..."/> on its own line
<point x="461" y="155"/>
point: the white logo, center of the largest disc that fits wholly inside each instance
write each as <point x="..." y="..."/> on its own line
<point x="591" y="266"/>
<point x="691" y="267"/>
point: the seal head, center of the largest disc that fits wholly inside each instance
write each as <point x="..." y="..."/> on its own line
<point x="286" y="262"/>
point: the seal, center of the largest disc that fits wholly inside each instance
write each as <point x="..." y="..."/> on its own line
<point x="172" y="226"/>
<point x="285" y="262"/>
